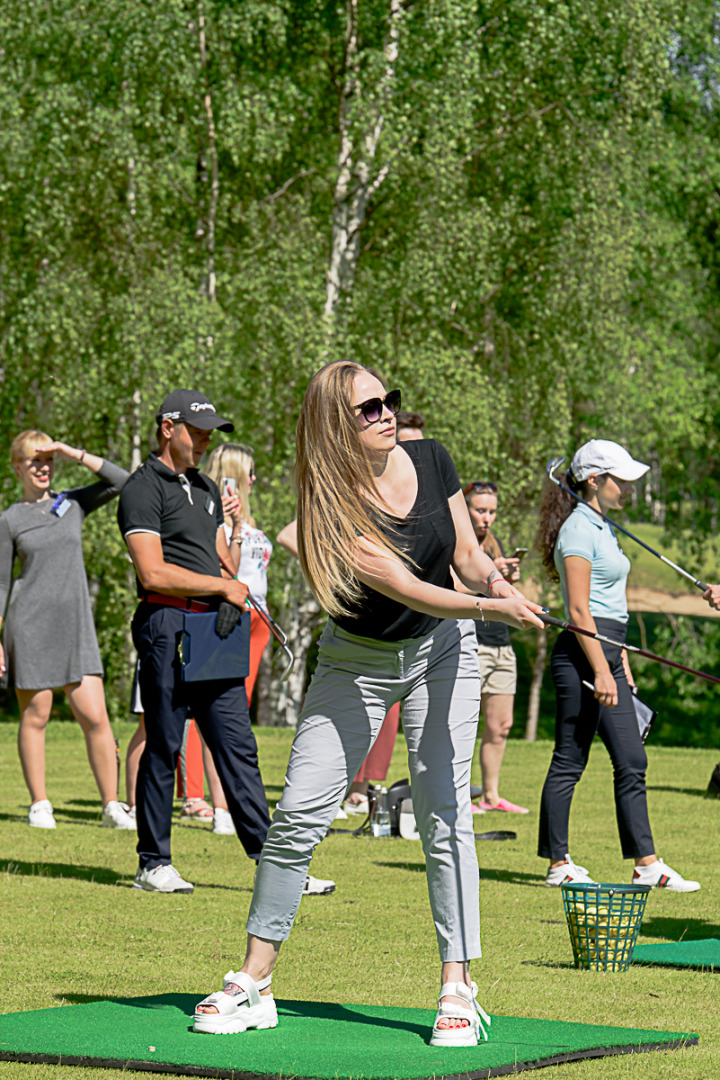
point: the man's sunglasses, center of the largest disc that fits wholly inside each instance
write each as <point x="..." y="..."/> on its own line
<point x="372" y="409"/>
<point x="480" y="487"/>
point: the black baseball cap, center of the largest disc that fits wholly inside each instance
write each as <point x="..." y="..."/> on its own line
<point x="192" y="407"/>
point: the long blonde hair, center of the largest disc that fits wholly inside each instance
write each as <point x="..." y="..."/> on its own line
<point x="235" y="460"/>
<point x="335" y="484"/>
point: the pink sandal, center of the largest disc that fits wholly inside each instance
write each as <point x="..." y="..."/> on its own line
<point x="504" y="805"/>
<point x="197" y="808"/>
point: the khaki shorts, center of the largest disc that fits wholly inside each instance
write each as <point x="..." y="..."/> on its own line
<point x="498" y="669"/>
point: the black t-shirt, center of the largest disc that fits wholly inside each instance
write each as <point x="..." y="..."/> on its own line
<point x="426" y="535"/>
<point x="493" y="633"/>
<point x="185" y="513"/>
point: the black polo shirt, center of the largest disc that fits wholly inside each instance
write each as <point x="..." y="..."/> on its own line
<point x="184" y="510"/>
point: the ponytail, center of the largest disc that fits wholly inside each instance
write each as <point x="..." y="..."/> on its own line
<point x="556" y="508"/>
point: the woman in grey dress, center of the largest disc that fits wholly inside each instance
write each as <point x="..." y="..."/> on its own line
<point x="50" y="637"/>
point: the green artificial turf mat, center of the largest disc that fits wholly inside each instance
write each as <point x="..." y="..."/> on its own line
<point x="323" y="1041"/>
<point x="684" y="954"/>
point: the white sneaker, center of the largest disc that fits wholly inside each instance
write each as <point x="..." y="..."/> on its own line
<point x="661" y="876"/>
<point x="223" y="822"/>
<point x="40" y="815"/>
<point x="115" y="816"/>
<point x="568" y="873"/>
<point x="131" y="812"/>
<point x="362" y="807"/>
<point x="164" y="879"/>
<point x="317" y="887"/>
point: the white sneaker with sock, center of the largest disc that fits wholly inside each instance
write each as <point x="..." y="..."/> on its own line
<point x="223" y="822"/>
<point x="661" y="876"/>
<point x="40" y="815"/>
<point x="317" y="887"/>
<point x="163" y="879"/>
<point x="568" y="873"/>
<point x="115" y="816"/>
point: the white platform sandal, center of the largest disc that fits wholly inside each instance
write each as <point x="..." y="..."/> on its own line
<point x="475" y="1015"/>
<point x="239" y="1006"/>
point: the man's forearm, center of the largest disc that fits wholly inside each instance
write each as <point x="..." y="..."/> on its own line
<point x="177" y="581"/>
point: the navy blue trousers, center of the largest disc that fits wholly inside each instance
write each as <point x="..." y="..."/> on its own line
<point x="579" y="717"/>
<point x="220" y="710"/>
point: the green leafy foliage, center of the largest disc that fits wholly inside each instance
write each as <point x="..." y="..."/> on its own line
<point x="537" y="266"/>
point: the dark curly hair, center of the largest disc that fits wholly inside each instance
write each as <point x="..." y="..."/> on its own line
<point x="555" y="508"/>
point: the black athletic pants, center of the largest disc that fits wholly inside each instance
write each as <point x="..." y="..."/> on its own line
<point x="579" y="717"/>
<point x="221" y="711"/>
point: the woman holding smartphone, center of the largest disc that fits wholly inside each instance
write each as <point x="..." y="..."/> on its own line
<point x="50" y="637"/>
<point x="232" y="467"/>
<point x="593" y="680"/>
<point x="496" y="656"/>
<point x="397" y="632"/>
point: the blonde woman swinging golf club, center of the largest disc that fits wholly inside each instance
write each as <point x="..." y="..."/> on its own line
<point x="379" y="525"/>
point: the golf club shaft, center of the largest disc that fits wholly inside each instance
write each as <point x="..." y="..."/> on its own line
<point x="657" y="554"/>
<point x="277" y="631"/>
<point x="269" y="622"/>
<point x="563" y="625"/>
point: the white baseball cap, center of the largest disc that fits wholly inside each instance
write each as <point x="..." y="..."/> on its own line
<point x="603" y="456"/>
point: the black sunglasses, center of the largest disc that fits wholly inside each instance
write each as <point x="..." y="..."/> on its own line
<point x="372" y="409"/>
<point x="480" y="486"/>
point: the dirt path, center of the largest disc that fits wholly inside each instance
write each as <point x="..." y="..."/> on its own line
<point x="652" y="600"/>
<point x="673" y="603"/>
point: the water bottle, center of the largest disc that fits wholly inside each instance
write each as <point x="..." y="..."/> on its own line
<point x="380" y="824"/>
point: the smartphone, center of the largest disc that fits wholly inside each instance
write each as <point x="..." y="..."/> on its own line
<point x="519" y="552"/>
<point x="229" y="487"/>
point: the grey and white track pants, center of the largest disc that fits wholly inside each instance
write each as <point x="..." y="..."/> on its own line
<point x="355" y="683"/>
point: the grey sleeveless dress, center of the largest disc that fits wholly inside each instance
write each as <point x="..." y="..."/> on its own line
<point x="50" y="638"/>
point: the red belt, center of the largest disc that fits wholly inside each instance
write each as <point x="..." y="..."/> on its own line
<point x="176" y="601"/>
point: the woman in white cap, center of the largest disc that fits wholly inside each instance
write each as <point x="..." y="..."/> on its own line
<point x="593" y="682"/>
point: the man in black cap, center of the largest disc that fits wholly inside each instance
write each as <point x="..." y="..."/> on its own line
<point x="171" y="517"/>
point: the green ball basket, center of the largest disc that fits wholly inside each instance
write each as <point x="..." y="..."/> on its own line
<point x="604" y="923"/>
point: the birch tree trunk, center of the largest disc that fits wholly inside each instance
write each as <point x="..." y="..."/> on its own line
<point x="301" y="618"/>
<point x="533" y="712"/>
<point x="207" y="227"/>
<point x="357" y="179"/>
<point x="357" y="182"/>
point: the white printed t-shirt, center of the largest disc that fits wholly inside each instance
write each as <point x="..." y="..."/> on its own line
<point x="255" y="553"/>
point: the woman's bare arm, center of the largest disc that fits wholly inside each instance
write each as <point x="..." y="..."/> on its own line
<point x="577" y="582"/>
<point x="389" y="576"/>
<point x="287" y="538"/>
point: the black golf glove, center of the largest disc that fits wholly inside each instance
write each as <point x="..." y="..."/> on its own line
<point x="228" y="617"/>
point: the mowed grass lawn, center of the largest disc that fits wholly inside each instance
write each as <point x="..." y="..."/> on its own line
<point x="73" y="929"/>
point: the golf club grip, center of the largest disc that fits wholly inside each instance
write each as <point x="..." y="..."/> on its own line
<point x="552" y="621"/>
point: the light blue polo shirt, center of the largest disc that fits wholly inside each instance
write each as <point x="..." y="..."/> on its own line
<point x="585" y="534"/>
